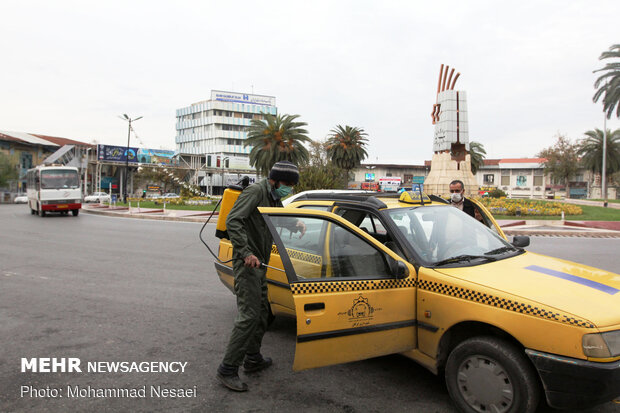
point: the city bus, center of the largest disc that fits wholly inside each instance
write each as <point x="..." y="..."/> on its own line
<point x="54" y="189"/>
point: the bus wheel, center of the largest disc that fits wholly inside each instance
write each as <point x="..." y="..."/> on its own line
<point x="75" y="212"/>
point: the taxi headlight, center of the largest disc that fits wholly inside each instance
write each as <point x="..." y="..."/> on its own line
<point x="602" y="345"/>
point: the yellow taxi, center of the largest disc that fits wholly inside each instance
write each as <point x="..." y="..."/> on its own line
<point x="376" y="274"/>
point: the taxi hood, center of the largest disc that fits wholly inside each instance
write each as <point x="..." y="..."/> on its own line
<point x="589" y="293"/>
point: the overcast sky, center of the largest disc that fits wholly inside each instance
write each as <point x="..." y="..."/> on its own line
<point x="69" y="68"/>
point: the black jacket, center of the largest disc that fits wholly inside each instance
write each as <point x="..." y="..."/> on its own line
<point x="468" y="207"/>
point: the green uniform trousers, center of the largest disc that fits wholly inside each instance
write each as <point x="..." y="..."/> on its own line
<point x="253" y="313"/>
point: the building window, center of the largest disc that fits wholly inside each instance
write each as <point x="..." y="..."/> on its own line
<point x="538" y="180"/>
<point x="408" y="179"/>
<point x="505" y="180"/>
<point x="489" y="179"/>
<point x="521" y="180"/>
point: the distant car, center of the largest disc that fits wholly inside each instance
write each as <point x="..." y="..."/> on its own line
<point x="98" y="197"/>
<point x="153" y="196"/>
<point x="170" y="195"/>
<point x="21" y="199"/>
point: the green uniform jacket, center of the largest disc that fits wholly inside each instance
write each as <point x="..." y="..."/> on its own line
<point x="246" y="227"/>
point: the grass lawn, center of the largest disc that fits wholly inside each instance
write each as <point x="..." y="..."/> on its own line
<point x="590" y="213"/>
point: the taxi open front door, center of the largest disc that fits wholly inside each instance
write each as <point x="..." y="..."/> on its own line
<point x="354" y="298"/>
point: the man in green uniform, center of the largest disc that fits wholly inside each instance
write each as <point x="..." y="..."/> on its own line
<point x="252" y="242"/>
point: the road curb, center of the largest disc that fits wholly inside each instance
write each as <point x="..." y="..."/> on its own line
<point x="148" y="215"/>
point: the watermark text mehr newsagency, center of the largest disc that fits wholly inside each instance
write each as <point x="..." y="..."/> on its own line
<point x="74" y="365"/>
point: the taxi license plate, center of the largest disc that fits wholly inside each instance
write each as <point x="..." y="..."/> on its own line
<point x="63" y="206"/>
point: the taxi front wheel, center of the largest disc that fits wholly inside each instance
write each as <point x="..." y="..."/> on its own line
<point x="487" y="374"/>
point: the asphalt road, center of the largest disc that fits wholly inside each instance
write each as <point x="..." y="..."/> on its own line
<point x="110" y="289"/>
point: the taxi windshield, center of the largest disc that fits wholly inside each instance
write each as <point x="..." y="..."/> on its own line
<point x="445" y="235"/>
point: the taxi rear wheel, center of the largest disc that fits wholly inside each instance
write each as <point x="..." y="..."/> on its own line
<point x="489" y="374"/>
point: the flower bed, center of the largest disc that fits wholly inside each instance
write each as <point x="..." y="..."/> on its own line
<point x="504" y="206"/>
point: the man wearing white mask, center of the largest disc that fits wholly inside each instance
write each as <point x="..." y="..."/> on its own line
<point x="457" y="199"/>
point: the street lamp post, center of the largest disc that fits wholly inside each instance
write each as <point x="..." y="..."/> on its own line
<point x="604" y="172"/>
<point x="223" y="163"/>
<point x="128" y="119"/>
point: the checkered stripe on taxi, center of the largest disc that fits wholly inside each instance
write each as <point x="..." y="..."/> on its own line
<point x="504" y="303"/>
<point x="344" y="286"/>
<point x="300" y="255"/>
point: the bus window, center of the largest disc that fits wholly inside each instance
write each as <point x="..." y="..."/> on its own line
<point x="59" y="179"/>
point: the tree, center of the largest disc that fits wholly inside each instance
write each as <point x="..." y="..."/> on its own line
<point x="319" y="172"/>
<point x="168" y="179"/>
<point x="590" y="149"/>
<point x="476" y="155"/>
<point x="608" y="83"/>
<point x="562" y="160"/>
<point x="276" y="138"/>
<point x="346" y="147"/>
<point x="8" y="170"/>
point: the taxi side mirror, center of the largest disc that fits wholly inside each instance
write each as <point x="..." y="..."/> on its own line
<point x="521" y="241"/>
<point x="398" y="268"/>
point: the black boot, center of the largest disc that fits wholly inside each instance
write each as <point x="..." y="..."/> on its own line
<point x="256" y="362"/>
<point x="229" y="377"/>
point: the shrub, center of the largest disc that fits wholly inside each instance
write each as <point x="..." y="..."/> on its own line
<point x="503" y="206"/>
<point x="497" y="193"/>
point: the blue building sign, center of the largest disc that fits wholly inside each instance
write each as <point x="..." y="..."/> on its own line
<point x="117" y="153"/>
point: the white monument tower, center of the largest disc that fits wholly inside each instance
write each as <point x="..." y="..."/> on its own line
<point x="451" y="158"/>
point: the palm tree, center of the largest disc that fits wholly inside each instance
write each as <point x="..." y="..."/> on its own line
<point x="476" y="155"/>
<point x="591" y="151"/>
<point x="276" y="138"/>
<point x="346" y="147"/>
<point x="610" y="90"/>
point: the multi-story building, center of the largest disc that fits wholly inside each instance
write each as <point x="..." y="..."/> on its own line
<point x="218" y="127"/>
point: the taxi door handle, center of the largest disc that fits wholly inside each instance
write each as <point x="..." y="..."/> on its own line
<point x="310" y="307"/>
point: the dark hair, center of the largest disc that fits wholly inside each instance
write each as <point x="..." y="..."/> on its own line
<point x="457" y="181"/>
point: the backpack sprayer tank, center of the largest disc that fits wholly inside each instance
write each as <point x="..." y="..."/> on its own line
<point x="228" y="200"/>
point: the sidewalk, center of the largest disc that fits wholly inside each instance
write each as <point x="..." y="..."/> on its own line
<point x="593" y="229"/>
<point x="613" y="205"/>
<point x="150" y="213"/>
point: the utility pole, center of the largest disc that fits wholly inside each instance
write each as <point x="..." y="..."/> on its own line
<point x="604" y="171"/>
<point x="128" y="119"/>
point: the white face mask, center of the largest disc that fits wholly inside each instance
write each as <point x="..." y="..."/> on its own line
<point x="456" y="197"/>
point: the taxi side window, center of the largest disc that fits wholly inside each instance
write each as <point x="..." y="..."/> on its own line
<point x="331" y="251"/>
<point x="311" y="241"/>
<point x="365" y="221"/>
<point x="353" y="257"/>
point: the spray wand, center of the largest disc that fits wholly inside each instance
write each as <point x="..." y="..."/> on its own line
<point x="244" y="182"/>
